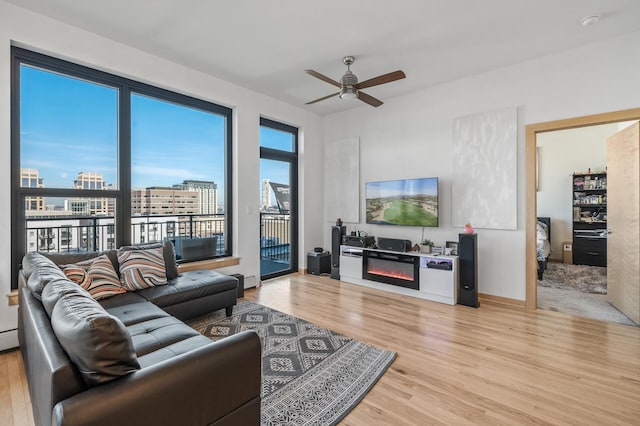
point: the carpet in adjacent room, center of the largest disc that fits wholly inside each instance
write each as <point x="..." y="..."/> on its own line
<point x="310" y="375"/>
<point x="579" y="290"/>
<point x="584" y="278"/>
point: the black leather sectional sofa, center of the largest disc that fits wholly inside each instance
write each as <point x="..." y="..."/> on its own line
<point x="129" y="359"/>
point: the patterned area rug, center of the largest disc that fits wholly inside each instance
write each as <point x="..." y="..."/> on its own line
<point x="588" y="279"/>
<point x="310" y="375"/>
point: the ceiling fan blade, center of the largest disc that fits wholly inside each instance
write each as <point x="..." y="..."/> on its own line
<point x="368" y="99"/>
<point x="322" y="77"/>
<point x="323" y="98"/>
<point x="381" y="79"/>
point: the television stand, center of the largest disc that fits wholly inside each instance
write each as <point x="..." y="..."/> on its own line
<point x="420" y="275"/>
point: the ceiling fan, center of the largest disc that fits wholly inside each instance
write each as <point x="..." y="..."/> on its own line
<point x="349" y="86"/>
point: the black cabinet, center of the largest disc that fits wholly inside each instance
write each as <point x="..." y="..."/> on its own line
<point x="590" y="219"/>
<point x="589" y="250"/>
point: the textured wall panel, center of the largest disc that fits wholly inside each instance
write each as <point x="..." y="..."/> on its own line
<point x="342" y="180"/>
<point x="484" y="170"/>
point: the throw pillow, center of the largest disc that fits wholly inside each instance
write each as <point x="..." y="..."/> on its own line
<point x="141" y="269"/>
<point x="96" y="342"/>
<point x="169" y="253"/>
<point x="58" y="288"/>
<point x="39" y="270"/>
<point x="96" y="275"/>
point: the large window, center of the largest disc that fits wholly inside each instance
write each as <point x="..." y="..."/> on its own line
<point x="100" y="161"/>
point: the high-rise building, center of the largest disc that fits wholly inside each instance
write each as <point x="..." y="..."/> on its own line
<point x="208" y="194"/>
<point x="92" y="206"/>
<point x="30" y="178"/>
<point x="265" y="195"/>
<point x="163" y="201"/>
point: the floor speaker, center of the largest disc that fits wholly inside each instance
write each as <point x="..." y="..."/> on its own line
<point x="468" y="263"/>
<point x="337" y="232"/>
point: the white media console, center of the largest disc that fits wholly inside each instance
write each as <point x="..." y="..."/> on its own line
<point x="425" y="276"/>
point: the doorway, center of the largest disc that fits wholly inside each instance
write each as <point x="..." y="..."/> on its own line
<point x="278" y="199"/>
<point x="572" y="201"/>
<point x="531" y="179"/>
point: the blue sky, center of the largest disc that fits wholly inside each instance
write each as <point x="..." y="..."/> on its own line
<point x="69" y="125"/>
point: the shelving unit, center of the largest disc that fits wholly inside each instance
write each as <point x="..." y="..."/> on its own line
<point x="590" y="219"/>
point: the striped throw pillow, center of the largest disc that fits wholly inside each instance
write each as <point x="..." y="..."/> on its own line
<point x="77" y="272"/>
<point x="97" y="276"/>
<point x="141" y="269"/>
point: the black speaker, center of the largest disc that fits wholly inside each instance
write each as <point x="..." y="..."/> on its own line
<point x="394" y="244"/>
<point x="468" y="257"/>
<point x="337" y="233"/>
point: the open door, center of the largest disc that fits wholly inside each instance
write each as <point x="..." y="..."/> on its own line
<point x="623" y="211"/>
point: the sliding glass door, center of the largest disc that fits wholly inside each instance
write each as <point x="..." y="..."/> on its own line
<point x="278" y="199"/>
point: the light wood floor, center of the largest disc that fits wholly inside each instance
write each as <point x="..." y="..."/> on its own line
<point x="496" y="365"/>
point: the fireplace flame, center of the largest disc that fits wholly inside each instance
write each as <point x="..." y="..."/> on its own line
<point x="391" y="274"/>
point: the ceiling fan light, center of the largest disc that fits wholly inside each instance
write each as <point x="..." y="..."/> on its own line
<point x="348" y="93"/>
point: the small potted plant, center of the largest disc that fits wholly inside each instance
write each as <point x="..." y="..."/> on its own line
<point x="426" y="246"/>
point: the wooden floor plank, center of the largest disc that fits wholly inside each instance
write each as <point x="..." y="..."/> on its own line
<point x="6" y="409"/>
<point x="20" y="405"/>
<point x="457" y="365"/>
<point x="496" y="365"/>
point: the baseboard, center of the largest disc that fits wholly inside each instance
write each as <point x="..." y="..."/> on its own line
<point x="502" y="300"/>
<point x="9" y="339"/>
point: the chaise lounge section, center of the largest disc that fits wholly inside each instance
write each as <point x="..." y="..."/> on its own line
<point x="129" y="359"/>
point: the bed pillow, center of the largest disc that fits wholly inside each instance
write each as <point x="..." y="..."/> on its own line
<point x="142" y="268"/>
<point x="96" y="275"/>
<point x="541" y="231"/>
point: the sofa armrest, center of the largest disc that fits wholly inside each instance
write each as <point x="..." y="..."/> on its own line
<point x="199" y="387"/>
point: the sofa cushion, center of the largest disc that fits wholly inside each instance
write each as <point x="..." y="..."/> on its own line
<point x="133" y="313"/>
<point x="154" y="334"/>
<point x="97" y="276"/>
<point x="188" y="286"/>
<point x="121" y="299"/>
<point x="56" y="289"/>
<point x="168" y="253"/>
<point x="97" y="343"/>
<point x="142" y="268"/>
<point x="170" y="351"/>
<point x="39" y="271"/>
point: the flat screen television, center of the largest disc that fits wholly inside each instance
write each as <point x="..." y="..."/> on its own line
<point x="406" y="202"/>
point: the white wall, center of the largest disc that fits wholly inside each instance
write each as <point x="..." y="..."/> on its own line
<point x="39" y="33"/>
<point x="560" y="154"/>
<point x="410" y="136"/>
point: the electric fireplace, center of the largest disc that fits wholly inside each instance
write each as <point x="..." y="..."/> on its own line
<point x="391" y="268"/>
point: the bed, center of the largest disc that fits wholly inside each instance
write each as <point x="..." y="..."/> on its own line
<point x="543" y="244"/>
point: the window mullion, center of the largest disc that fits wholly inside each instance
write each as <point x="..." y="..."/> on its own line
<point x="123" y="205"/>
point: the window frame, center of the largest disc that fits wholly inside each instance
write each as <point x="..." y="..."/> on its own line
<point x="122" y="195"/>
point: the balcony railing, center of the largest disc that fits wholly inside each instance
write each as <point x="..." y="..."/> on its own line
<point x="275" y="243"/>
<point x="97" y="233"/>
<point x="82" y="233"/>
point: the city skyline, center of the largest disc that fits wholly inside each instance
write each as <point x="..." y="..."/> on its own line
<point x="70" y="125"/>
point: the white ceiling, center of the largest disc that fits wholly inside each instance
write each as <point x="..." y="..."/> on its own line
<point x="266" y="45"/>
